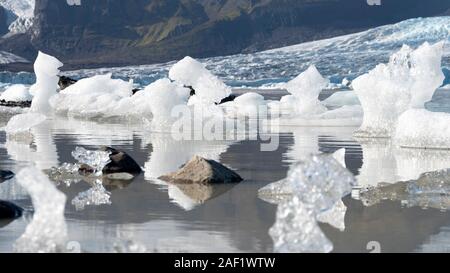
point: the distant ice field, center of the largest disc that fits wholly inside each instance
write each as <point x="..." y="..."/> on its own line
<point x="344" y="57"/>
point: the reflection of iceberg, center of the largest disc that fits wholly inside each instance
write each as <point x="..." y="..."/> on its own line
<point x="411" y="163"/>
<point x="43" y="153"/>
<point x="47" y="232"/>
<point x="379" y="164"/>
<point x="383" y="162"/>
<point x="95" y="196"/>
<point x="431" y="190"/>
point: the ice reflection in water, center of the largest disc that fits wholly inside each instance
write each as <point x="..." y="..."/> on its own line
<point x="234" y="219"/>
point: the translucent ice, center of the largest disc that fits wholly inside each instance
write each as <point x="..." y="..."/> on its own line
<point x="209" y="88"/>
<point x="95" y="196"/>
<point x="16" y="93"/>
<point x="316" y="187"/>
<point x="46" y="69"/>
<point x="96" y="159"/>
<point x="47" y="232"/>
<point x="296" y="230"/>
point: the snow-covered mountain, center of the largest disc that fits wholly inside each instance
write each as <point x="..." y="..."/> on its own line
<point x="20" y="14"/>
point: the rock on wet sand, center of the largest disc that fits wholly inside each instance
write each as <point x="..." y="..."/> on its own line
<point x="200" y="170"/>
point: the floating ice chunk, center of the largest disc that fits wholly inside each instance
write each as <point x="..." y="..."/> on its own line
<point x="316" y="187"/>
<point x="306" y="89"/>
<point x="24" y="122"/>
<point x="409" y="80"/>
<point x="17" y="93"/>
<point x="384" y="94"/>
<point x="321" y="181"/>
<point x="96" y="159"/>
<point x="419" y="128"/>
<point x="95" y="196"/>
<point x="429" y="191"/>
<point x="90" y="97"/>
<point x="208" y="87"/>
<point x="46" y="69"/>
<point x="47" y="232"/>
<point x="342" y="98"/>
<point x="296" y="230"/>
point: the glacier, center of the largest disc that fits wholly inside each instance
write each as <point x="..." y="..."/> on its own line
<point x="340" y="58"/>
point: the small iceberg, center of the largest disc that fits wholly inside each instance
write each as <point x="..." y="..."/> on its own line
<point x="312" y="192"/>
<point x="407" y="82"/>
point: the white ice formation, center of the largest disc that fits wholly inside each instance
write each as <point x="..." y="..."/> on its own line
<point x="316" y="188"/>
<point x="47" y="232"/>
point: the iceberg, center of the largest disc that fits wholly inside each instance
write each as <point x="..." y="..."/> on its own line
<point x="91" y="97"/>
<point x="312" y="192"/>
<point x="16" y="93"/>
<point x="46" y="68"/>
<point x="408" y="81"/>
<point x="420" y="128"/>
<point x="209" y="88"/>
<point x="305" y="90"/>
<point x="47" y="232"/>
<point x="96" y="159"/>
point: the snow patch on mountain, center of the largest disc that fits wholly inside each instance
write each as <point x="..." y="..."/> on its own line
<point x="21" y="14"/>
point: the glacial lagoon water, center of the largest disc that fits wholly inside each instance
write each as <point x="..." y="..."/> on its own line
<point x="145" y="214"/>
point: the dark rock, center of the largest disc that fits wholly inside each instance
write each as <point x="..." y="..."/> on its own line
<point x="192" y="93"/>
<point x="228" y="99"/>
<point x="121" y="162"/>
<point x="5" y="175"/>
<point x="65" y="82"/>
<point x="136" y="90"/>
<point x="9" y="210"/>
<point x="200" y="170"/>
<point x="86" y="170"/>
<point x="21" y="104"/>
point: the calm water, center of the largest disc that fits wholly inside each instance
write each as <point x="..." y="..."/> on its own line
<point x="227" y="218"/>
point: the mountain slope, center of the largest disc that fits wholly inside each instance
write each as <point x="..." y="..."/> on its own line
<point x="118" y="32"/>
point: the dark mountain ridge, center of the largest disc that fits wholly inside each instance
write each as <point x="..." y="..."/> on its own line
<point x="131" y="32"/>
